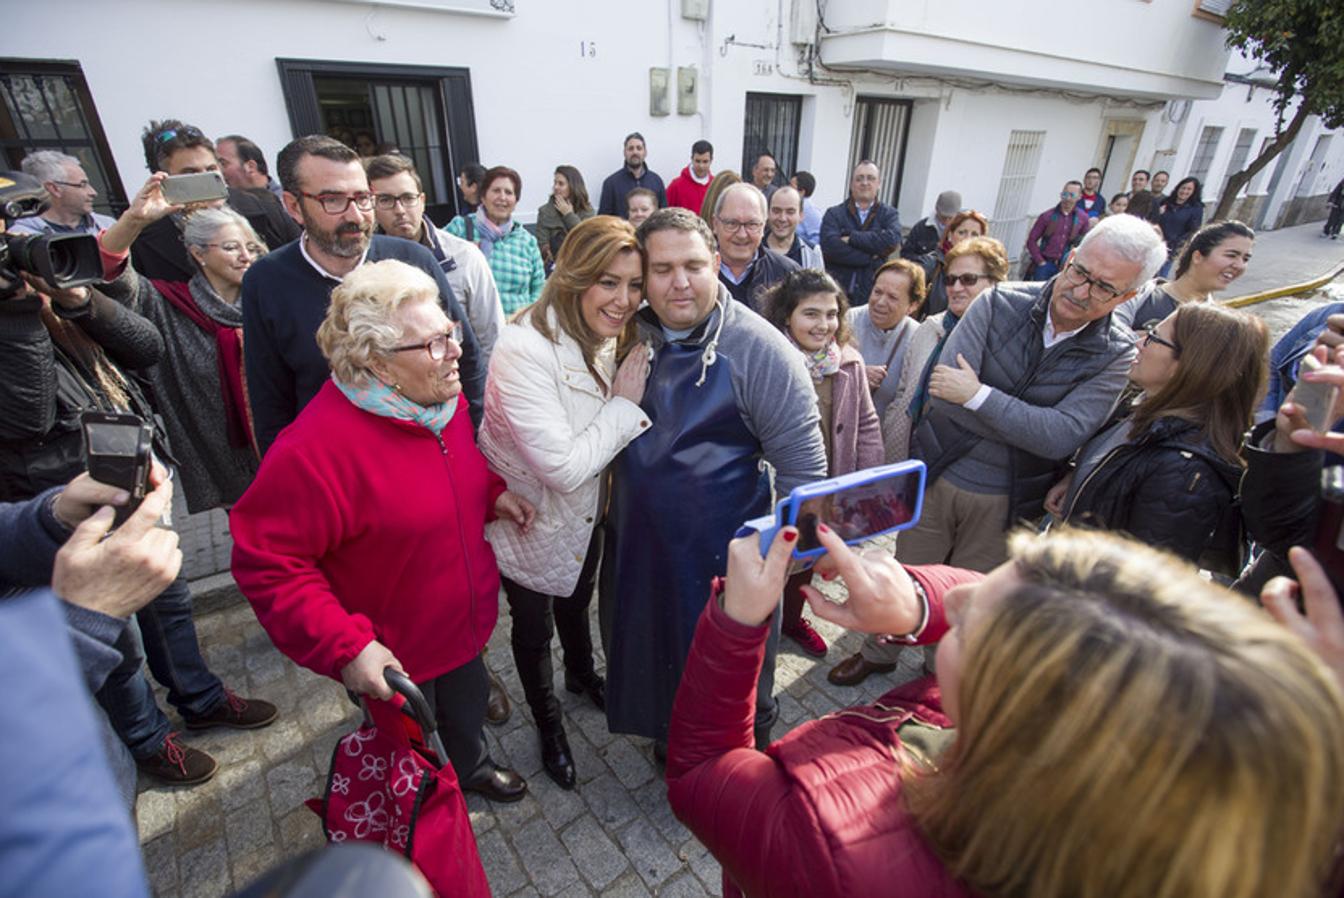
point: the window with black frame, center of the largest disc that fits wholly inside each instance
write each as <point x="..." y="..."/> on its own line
<point x="423" y="112"/>
<point x="771" y="126"/>
<point x="46" y="105"/>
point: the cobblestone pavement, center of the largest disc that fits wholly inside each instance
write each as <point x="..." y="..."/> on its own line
<point x="613" y="836"/>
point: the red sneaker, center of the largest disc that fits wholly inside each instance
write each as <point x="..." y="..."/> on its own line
<point x="808" y="639"/>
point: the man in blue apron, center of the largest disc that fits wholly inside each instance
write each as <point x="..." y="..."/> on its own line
<point x="730" y="401"/>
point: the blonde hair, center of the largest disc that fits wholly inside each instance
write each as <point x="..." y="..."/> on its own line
<point x="588" y="250"/>
<point x="1128" y="729"/>
<point x="989" y="250"/>
<point x="359" y="326"/>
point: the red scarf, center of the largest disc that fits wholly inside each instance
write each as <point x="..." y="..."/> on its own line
<point x="228" y="353"/>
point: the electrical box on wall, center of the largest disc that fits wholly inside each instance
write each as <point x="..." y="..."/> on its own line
<point x="688" y="98"/>
<point x="698" y="10"/>
<point x="659" y="82"/>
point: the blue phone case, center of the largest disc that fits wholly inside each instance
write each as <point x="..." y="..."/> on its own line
<point x="786" y="512"/>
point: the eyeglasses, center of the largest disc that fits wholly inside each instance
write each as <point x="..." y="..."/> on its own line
<point x="78" y="185"/>
<point x="1074" y="274"/>
<point x="337" y="203"/>
<point x="233" y="247"/>
<point x="731" y="225"/>
<point x="966" y="280"/>
<point x="437" y="345"/>
<point x="389" y="201"/>
<point x="1068" y="195"/>
<point x="1150" y="336"/>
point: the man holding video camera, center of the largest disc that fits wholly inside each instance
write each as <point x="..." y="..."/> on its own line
<point x="730" y="401"/>
<point x="65" y="349"/>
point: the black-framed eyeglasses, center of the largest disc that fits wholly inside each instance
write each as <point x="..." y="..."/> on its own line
<point x="1101" y="291"/>
<point x="337" y="203"/>
<point x="731" y="225"/>
<point x="437" y="345"/>
<point x="966" y="280"/>
<point x="389" y="201"/>
<point x="1150" y="336"/>
<point x="78" y="185"/>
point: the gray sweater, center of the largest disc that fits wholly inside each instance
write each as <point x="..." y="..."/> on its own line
<point x="770" y="381"/>
<point x="187" y="391"/>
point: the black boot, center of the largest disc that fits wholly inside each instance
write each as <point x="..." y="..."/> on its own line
<point x="591" y="684"/>
<point x="555" y="754"/>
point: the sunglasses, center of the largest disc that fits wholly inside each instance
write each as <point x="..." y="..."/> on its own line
<point x="966" y="280"/>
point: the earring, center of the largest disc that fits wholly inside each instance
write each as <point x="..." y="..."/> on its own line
<point x="396" y="388"/>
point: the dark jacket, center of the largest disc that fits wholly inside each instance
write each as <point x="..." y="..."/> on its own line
<point x="922" y="241"/>
<point x="158" y="252"/>
<point x="1168" y="489"/>
<point x="768" y="268"/>
<point x="1178" y="223"/>
<point x="46" y="389"/>
<point x="284" y="300"/>
<point x="871" y="242"/>
<point x="1280" y="504"/>
<point x="1043" y="403"/>
<point x="621" y="182"/>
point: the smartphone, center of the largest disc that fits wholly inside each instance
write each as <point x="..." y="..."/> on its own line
<point x="856" y="506"/>
<point x="195" y="188"/>
<point x="1316" y="399"/>
<point x="119" y="452"/>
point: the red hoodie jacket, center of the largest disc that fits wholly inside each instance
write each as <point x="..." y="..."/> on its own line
<point x="361" y="527"/>
<point x="819" y="813"/>
<point x="684" y="192"/>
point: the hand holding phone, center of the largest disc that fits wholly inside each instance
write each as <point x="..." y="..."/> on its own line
<point x="1315" y="398"/>
<point x="857" y="506"/>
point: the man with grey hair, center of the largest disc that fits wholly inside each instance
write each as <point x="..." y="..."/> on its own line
<point x="730" y="401"/>
<point x="71" y="209"/>
<point x="746" y="267"/>
<point x="860" y="234"/>
<point x="1029" y="373"/>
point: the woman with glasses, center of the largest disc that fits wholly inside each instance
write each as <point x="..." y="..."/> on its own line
<point x="558" y="409"/>
<point x="361" y="544"/>
<point x="1165" y="468"/>
<point x="1210" y="261"/>
<point x="971" y="267"/>
<point x="514" y="257"/>
<point x="567" y="205"/>
<point x="198" y="384"/>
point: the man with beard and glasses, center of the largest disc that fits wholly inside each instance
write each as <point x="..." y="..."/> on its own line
<point x="285" y="294"/>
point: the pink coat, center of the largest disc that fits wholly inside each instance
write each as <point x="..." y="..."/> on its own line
<point x="361" y="527"/>
<point x="856" y="432"/>
<point x="819" y="813"/>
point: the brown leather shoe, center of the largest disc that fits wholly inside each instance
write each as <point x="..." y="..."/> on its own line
<point x="498" y="710"/>
<point x="177" y="764"/>
<point x="497" y="784"/>
<point x="855" y="669"/>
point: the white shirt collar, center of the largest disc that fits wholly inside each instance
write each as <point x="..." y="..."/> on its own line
<point x="1051" y="336"/>
<point x="317" y="266"/>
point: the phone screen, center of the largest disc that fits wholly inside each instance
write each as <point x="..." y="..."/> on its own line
<point x="859" y="511"/>
<point x="112" y="439"/>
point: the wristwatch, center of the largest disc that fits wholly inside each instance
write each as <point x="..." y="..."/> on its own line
<point x="911" y="638"/>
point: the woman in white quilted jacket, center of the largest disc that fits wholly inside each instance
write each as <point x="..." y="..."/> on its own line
<point x="557" y="411"/>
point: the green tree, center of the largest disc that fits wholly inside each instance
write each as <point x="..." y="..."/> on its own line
<point x="1302" y="43"/>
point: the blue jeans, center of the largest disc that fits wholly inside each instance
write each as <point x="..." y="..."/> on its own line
<point x="174" y="655"/>
<point x="1044" y="271"/>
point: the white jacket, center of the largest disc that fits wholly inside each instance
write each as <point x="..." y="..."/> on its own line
<point x="551" y="433"/>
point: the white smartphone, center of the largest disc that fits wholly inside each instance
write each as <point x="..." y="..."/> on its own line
<point x="200" y="187"/>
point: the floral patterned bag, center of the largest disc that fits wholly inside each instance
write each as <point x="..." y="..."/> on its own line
<point x="391" y="783"/>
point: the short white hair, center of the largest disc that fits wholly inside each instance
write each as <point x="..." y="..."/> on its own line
<point x="1133" y="239"/>
<point x="742" y="187"/>
<point x="359" y="328"/>
<point x="48" y="165"/>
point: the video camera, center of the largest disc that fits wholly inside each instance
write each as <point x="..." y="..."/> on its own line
<point x="62" y="260"/>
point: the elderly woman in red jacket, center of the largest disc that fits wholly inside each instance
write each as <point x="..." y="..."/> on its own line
<point x="1123" y="728"/>
<point x="361" y="544"/>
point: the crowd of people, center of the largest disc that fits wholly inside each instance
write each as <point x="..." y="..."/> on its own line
<point x="405" y="419"/>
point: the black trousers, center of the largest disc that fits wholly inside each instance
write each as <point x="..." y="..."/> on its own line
<point x="458" y="700"/>
<point x="536" y="617"/>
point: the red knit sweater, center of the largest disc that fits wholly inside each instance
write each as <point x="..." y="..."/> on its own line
<point x="361" y="527"/>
